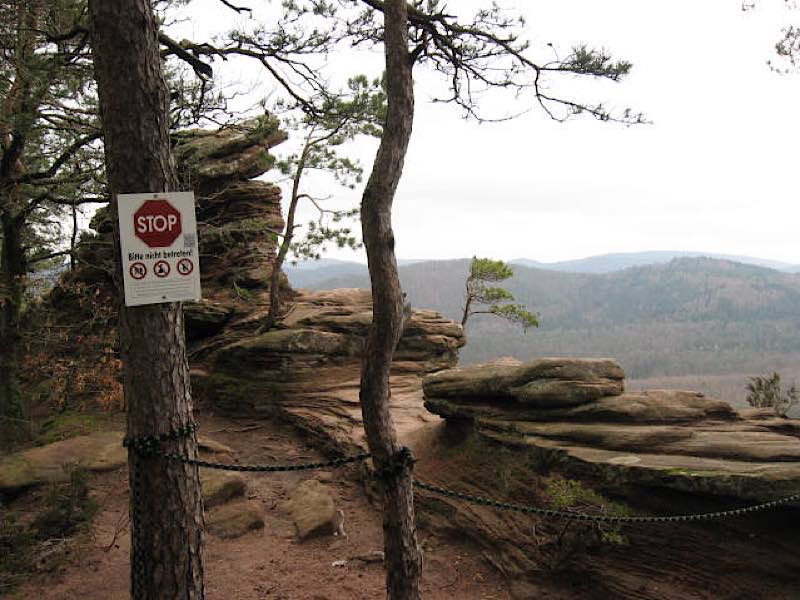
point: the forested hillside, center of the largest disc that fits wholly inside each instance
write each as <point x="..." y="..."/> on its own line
<point x="689" y="316"/>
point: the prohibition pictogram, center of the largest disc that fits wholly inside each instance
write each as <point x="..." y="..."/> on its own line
<point x="161" y="268"/>
<point x="185" y="266"/>
<point x="137" y="270"/>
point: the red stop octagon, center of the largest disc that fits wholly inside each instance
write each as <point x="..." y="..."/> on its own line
<point x="157" y="223"/>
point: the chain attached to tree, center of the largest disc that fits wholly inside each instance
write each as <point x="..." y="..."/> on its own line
<point x="147" y="444"/>
<point x="150" y="445"/>
<point x="395" y="465"/>
<point x="139" y="560"/>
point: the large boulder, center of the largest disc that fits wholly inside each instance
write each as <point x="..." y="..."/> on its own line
<point x="220" y="487"/>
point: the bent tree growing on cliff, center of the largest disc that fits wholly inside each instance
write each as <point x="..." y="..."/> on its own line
<point x="483" y="299"/>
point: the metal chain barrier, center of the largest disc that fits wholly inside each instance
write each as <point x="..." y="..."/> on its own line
<point x="336" y="462"/>
<point x="561" y="514"/>
<point x="149" y="446"/>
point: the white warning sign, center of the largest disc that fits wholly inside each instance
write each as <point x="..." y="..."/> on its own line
<point x="158" y="240"/>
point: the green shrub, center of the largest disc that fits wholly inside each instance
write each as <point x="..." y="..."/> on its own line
<point x="571" y="495"/>
<point x="766" y="392"/>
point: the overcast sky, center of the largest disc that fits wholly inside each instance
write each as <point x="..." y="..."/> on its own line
<point x="717" y="171"/>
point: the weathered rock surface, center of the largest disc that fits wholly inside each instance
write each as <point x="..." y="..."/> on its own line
<point x="220" y="487"/>
<point x="101" y="451"/>
<point x="235" y="519"/>
<point x="547" y="382"/>
<point x="308" y="371"/>
<point x="668" y="438"/>
<point x="206" y="444"/>
<point x="311" y="508"/>
<point x="236" y="214"/>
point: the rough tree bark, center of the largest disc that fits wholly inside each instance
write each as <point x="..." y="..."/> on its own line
<point x="403" y="554"/>
<point x="12" y="269"/>
<point x="167" y="535"/>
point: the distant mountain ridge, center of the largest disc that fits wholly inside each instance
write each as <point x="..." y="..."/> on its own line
<point x="692" y="315"/>
<point x="311" y="273"/>
<point x="608" y="263"/>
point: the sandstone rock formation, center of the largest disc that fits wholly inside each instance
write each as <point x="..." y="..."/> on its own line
<point x="237" y="216"/>
<point x="668" y="438"/>
<point x="237" y="220"/>
<point x="307" y="371"/>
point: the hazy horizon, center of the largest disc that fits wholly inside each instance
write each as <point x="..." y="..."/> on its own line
<point x="715" y="172"/>
<point x="360" y="258"/>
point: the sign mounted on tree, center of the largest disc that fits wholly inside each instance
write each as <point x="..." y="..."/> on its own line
<point x="158" y="242"/>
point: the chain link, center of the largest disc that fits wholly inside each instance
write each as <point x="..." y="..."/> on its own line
<point x="561" y="514"/>
<point x="139" y="564"/>
<point x="396" y="464"/>
<point x="336" y="462"/>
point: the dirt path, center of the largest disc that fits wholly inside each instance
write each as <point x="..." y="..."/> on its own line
<point x="268" y="563"/>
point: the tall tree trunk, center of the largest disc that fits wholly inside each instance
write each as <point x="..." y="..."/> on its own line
<point x="168" y="517"/>
<point x="12" y="272"/>
<point x="403" y="554"/>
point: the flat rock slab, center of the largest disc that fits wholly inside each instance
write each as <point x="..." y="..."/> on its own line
<point x="311" y="508"/>
<point x="545" y="382"/>
<point x="755" y="481"/>
<point x="235" y="519"/>
<point x="655" y="407"/>
<point x="657" y="438"/>
<point x="100" y="451"/>
<point x="741" y="442"/>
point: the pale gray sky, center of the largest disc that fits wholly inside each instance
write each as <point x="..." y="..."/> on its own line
<point x="716" y="171"/>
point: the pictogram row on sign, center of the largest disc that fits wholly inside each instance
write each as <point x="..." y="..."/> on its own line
<point x="161" y="269"/>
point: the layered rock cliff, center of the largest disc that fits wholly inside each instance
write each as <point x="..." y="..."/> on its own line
<point x="658" y="438"/>
<point x="307" y="370"/>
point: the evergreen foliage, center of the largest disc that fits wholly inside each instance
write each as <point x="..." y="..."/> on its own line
<point x="480" y="298"/>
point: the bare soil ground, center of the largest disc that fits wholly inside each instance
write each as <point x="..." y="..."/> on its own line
<point x="749" y="559"/>
<point x="270" y="563"/>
